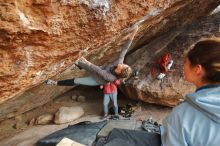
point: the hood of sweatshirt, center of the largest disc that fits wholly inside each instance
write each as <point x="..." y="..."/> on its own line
<point x="207" y="101"/>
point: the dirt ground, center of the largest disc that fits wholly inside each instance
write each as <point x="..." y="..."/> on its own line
<point x="18" y="132"/>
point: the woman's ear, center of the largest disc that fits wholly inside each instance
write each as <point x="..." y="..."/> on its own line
<point x="199" y="70"/>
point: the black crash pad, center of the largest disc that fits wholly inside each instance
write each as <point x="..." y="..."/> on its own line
<point x="121" y="137"/>
<point x="84" y="133"/>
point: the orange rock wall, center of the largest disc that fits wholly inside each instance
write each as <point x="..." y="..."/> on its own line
<point x="41" y="39"/>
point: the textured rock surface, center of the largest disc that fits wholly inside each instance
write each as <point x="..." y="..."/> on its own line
<point x="172" y="89"/>
<point x="42" y="38"/>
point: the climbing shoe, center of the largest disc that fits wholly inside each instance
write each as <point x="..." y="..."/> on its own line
<point x="77" y="66"/>
<point x="114" y="117"/>
<point x="105" y="117"/>
<point x="50" y="82"/>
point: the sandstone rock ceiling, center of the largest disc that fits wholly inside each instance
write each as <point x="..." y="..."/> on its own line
<point x="41" y="39"/>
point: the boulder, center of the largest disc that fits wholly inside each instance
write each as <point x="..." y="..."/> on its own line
<point x="81" y="98"/>
<point x="44" y="119"/>
<point x="68" y="114"/>
<point x="74" y="97"/>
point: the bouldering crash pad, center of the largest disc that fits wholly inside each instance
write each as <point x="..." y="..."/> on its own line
<point x="84" y="133"/>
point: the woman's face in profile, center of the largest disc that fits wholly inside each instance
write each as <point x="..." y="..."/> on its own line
<point x="187" y="70"/>
<point x="192" y="73"/>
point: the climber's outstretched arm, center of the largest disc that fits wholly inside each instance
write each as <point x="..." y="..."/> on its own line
<point x="125" y="48"/>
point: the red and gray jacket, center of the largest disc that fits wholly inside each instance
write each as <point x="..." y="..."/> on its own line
<point x="111" y="87"/>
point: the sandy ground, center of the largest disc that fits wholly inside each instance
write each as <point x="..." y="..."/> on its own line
<point x="26" y="135"/>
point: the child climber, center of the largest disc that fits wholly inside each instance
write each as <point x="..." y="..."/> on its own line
<point x="110" y="93"/>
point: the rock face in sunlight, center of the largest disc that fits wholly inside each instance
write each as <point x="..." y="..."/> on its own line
<point x="40" y="39"/>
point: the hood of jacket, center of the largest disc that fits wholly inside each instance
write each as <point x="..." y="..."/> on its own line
<point x="207" y="101"/>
